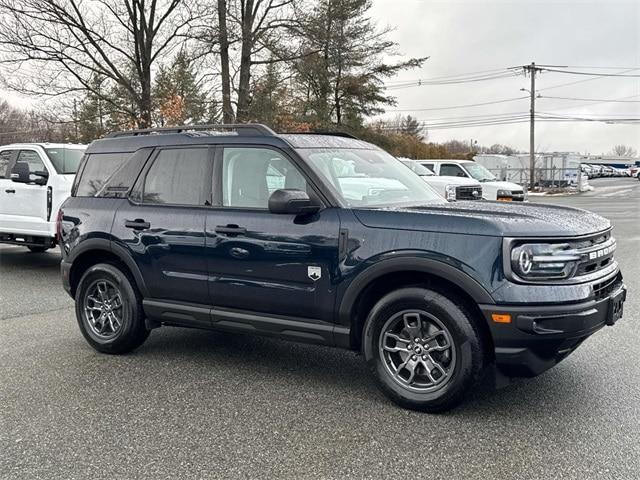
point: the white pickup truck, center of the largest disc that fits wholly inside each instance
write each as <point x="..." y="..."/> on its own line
<point x="451" y="188"/>
<point x="34" y="181"/>
<point x="492" y="188"/>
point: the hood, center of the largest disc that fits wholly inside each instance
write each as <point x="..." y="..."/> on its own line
<point x="499" y="219"/>
<point x="500" y="185"/>
<point x="460" y="181"/>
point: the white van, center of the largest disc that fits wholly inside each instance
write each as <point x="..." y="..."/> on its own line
<point x="35" y="178"/>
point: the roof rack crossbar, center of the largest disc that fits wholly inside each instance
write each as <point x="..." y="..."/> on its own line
<point x="333" y="133"/>
<point x="248" y="129"/>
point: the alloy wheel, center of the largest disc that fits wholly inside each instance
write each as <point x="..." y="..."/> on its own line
<point x="417" y="350"/>
<point x="103" y="309"/>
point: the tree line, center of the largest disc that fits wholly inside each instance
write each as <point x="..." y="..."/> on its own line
<point x="295" y="65"/>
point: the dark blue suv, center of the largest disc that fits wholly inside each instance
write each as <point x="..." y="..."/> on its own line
<point x="328" y="239"/>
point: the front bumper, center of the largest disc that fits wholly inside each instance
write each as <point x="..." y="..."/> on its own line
<point x="538" y="337"/>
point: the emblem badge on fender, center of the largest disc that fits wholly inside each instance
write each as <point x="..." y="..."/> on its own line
<point x="314" y="273"/>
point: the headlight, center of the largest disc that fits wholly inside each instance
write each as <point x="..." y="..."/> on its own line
<point x="544" y="261"/>
<point x="450" y="192"/>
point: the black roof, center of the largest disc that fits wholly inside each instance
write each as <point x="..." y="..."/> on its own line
<point x="252" y="134"/>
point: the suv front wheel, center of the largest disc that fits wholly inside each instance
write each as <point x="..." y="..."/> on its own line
<point x="423" y="349"/>
<point x="109" y="310"/>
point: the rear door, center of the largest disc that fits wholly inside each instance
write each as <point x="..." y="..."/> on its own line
<point x="275" y="264"/>
<point x="25" y="209"/>
<point x="162" y="223"/>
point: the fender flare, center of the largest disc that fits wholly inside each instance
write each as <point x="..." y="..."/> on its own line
<point x="416" y="264"/>
<point x="106" y="245"/>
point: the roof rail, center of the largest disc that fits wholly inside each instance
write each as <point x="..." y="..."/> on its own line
<point x="324" y="132"/>
<point x="248" y="129"/>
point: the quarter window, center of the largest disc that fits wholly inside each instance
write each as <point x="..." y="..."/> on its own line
<point x="251" y="175"/>
<point x="97" y="170"/>
<point x="179" y="177"/>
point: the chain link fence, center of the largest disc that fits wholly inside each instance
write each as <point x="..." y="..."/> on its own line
<point x="547" y="178"/>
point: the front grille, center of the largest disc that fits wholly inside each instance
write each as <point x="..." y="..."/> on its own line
<point x="517" y="195"/>
<point x="468" y="193"/>
<point x="604" y="289"/>
<point x="596" y="253"/>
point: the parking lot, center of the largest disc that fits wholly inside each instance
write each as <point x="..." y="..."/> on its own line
<point x="195" y="404"/>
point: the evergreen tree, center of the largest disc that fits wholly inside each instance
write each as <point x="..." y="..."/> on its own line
<point x="178" y="99"/>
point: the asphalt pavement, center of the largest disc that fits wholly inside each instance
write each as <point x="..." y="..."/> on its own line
<point x="195" y="404"/>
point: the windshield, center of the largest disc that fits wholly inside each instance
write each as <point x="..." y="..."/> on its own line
<point x="418" y="169"/>
<point x="370" y="178"/>
<point x="479" y="172"/>
<point x="65" y="160"/>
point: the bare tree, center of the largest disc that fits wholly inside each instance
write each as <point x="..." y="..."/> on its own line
<point x="624" y="151"/>
<point x="56" y="47"/>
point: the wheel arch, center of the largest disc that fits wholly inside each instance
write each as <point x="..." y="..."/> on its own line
<point x="94" y="251"/>
<point x="388" y="275"/>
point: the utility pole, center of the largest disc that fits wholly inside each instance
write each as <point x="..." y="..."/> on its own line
<point x="532" y="69"/>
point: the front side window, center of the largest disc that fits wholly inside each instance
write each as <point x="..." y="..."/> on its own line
<point x="32" y="158"/>
<point x="251" y="175"/>
<point x="370" y="178"/>
<point x="451" y="170"/>
<point x="179" y="177"/>
<point x="65" y="160"/>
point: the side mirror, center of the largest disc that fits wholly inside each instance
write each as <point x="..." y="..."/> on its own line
<point x="43" y="177"/>
<point x="20" y="173"/>
<point x="292" y="201"/>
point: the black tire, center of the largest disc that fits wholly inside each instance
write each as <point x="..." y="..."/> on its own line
<point x="38" y="249"/>
<point x="132" y="331"/>
<point x="464" y="359"/>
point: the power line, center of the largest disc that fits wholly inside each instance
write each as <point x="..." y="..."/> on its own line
<point x="452" y="80"/>
<point x="457" y="106"/>
<point x="582" y="81"/>
<point x="594" y="74"/>
<point x="597" y="100"/>
<point x="448" y="76"/>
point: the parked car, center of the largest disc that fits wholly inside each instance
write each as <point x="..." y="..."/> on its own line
<point x="587" y="170"/>
<point x="255" y="232"/>
<point x="492" y="188"/>
<point x="635" y="172"/>
<point x="451" y="188"/>
<point x="35" y="178"/>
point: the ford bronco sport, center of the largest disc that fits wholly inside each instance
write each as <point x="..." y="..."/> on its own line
<point x="330" y="240"/>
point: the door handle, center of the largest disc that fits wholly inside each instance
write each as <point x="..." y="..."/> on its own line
<point x="230" y="230"/>
<point x="10" y="190"/>
<point x="137" y="224"/>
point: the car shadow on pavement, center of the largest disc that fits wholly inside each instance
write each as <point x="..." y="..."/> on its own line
<point x="323" y="368"/>
<point x="15" y="258"/>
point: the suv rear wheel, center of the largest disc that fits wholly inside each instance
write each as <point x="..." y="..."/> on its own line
<point x="109" y="310"/>
<point x="423" y="349"/>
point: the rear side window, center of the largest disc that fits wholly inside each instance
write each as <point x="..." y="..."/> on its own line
<point x="451" y="170"/>
<point x="97" y="169"/>
<point x="179" y="177"/>
<point x="5" y="157"/>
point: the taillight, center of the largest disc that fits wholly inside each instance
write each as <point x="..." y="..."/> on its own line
<point x="59" y="226"/>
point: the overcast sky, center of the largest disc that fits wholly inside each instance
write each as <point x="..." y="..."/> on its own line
<point x="480" y="35"/>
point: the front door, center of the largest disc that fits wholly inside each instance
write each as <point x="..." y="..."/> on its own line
<point x="274" y="264"/>
<point x="162" y="224"/>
